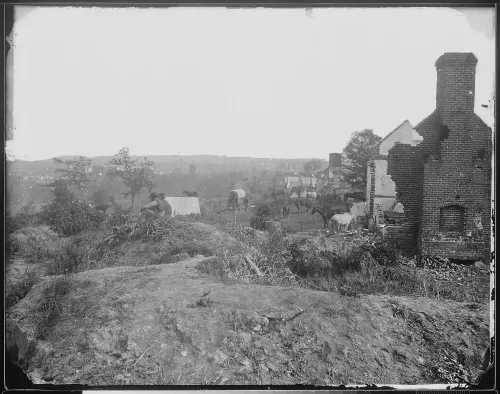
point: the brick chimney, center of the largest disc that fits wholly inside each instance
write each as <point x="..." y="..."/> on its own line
<point x="456" y="81"/>
<point x="335" y="160"/>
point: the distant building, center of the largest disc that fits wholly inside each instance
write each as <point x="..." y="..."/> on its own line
<point x="331" y="179"/>
<point x="380" y="188"/>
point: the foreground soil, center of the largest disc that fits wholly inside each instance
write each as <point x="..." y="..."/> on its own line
<point x="157" y="325"/>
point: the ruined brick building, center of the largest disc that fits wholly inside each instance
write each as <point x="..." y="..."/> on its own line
<point x="380" y="188"/>
<point x="444" y="183"/>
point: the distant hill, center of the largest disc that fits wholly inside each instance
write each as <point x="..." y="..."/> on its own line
<point x="203" y="163"/>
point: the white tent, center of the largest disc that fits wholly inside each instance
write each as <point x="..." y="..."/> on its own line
<point x="239" y="192"/>
<point x="184" y="205"/>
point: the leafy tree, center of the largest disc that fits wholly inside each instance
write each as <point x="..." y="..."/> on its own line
<point x="312" y="165"/>
<point x="27" y="217"/>
<point x="75" y="172"/>
<point x="135" y="174"/>
<point x="356" y="155"/>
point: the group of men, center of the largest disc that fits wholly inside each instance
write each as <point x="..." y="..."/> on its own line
<point x="158" y="206"/>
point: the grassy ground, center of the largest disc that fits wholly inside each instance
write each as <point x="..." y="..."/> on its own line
<point x="171" y="324"/>
<point x="104" y="321"/>
<point x="295" y="222"/>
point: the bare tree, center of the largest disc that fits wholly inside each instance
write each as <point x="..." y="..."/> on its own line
<point x="135" y="174"/>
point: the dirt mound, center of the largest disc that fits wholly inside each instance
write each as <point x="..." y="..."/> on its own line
<point x="33" y="239"/>
<point x="171" y="324"/>
<point x="190" y="238"/>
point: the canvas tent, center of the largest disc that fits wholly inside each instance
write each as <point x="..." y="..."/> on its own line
<point x="238" y="192"/>
<point x="184" y="205"/>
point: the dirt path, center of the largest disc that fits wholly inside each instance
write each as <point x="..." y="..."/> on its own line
<point x="143" y="326"/>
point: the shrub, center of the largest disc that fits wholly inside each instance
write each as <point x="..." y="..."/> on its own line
<point x="384" y="253"/>
<point x="263" y="213"/>
<point x="26" y="218"/>
<point x="66" y="215"/>
<point x="19" y="290"/>
<point x="307" y="258"/>
<point x="120" y="216"/>
<point x="32" y="242"/>
<point x="156" y="228"/>
<point x="73" y="256"/>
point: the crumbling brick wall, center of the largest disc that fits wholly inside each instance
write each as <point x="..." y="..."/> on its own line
<point x="444" y="183"/>
<point x="405" y="165"/>
<point x="455" y="189"/>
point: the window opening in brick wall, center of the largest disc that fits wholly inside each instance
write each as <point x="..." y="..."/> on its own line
<point x="451" y="218"/>
<point x="444" y="132"/>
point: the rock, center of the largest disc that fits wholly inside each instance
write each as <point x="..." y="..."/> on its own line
<point x="272" y="367"/>
<point x="326" y="349"/>
<point x="247" y="365"/>
<point x="220" y="357"/>
<point x="255" y="319"/>
<point x="17" y="343"/>
<point x="36" y="377"/>
<point x="184" y="353"/>
<point x="245" y="338"/>
<point x="282" y="356"/>
<point x="421" y="361"/>
<point x="263" y="368"/>
<point x="479" y="265"/>
<point x="43" y="351"/>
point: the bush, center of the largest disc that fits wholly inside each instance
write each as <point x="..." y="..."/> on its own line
<point x="384" y="253"/>
<point x="72" y="218"/>
<point x="76" y="254"/>
<point x="19" y="290"/>
<point x="26" y="218"/>
<point x="66" y="215"/>
<point x="33" y="242"/>
<point x="120" y="216"/>
<point x="263" y="213"/>
<point x="313" y="258"/>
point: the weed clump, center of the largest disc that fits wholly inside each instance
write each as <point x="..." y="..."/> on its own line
<point x="51" y="305"/>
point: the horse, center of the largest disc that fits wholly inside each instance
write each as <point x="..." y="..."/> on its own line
<point x="275" y="193"/>
<point x="190" y="193"/>
<point x="342" y="220"/>
<point x="303" y="202"/>
<point x="327" y="212"/>
<point x="286" y="211"/>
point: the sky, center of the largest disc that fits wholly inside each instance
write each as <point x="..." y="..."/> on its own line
<point x="282" y="83"/>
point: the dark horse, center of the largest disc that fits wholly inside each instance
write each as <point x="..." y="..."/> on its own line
<point x="286" y="211"/>
<point x="303" y="202"/>
<point x="330" y="210"/>
<point x="275" y="194"/>
<point x="190" y="194"/>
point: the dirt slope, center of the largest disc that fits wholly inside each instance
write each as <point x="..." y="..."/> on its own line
<point x="142" y="326"/>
